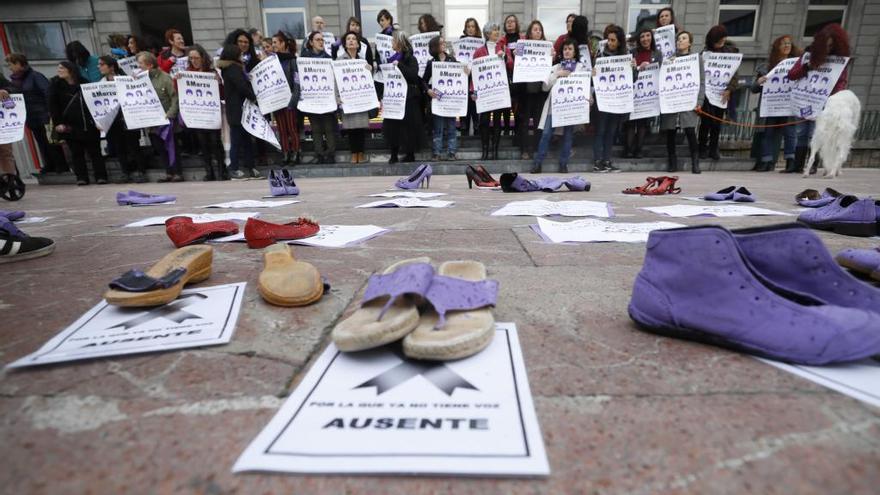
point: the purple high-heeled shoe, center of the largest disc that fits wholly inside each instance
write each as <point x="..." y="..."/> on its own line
<point x="289" y="185"/>
<point x="414" y="181"/>
<point x="276" y="186"/>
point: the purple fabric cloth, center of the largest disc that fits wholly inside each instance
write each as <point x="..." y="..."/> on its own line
<point x="513" y="182"/>
<point x="12" y="215"/>
<point x="166" y="134"/>
<point x="697" y="284"/>
<point x="11" y="228"/>
<point x="413" y="278"/>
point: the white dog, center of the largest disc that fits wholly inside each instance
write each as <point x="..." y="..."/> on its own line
<point x="836" y="128"/>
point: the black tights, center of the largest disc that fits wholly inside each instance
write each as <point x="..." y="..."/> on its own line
<point x="691" y="139"/>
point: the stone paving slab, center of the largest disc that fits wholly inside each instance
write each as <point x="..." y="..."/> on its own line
<point x="621" y="411"/>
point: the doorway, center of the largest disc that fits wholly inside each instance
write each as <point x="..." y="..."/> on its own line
<point x="150" y="20"/>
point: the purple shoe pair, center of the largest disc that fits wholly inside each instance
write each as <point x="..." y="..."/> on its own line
<point x="12" y="215"/>
<point x="733" y="193"/>
<point x="513" y="182"/>
<point x="281" y="183"/>
<point x="864" y="261"/>
<point x="810" y="198"/>
<point x="139" y="198"/>
<point x="771" y="291"/>
<point x="847" y="215"/>
<point x="422" y="174"/>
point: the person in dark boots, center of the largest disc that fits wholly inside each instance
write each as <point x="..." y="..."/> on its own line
<point x="710" y="129"/>
<point x="490" y="122"/>
<point x="127" y="142"/>
<point x="207" y="140"/>
<point x="687" y="121"/>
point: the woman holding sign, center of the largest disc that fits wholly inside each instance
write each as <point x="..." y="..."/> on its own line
<point x="237" y="89"/>
<point x="207" y="140"/>
<point x="404" y="133"/>
<point x="687" y="121"/>
<point x="472" y="120"/>
<point x="287" y="118"/>
<point x="532" y="98"/>
<point x="644" y="54"/>
<point x="356" y="124"/>
<point x="126" y="143"/>
<point x="323" y="124"/>
<point x="710" y="129"/>
<point x="492" y="34"/>
<point x="608" y="123"/>
<point x="564" y="68"/>
<point x="441" y="125"/>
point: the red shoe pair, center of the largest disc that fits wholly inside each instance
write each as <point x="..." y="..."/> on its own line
<point x="183" y="231"/>
<point x="260" y="234"/>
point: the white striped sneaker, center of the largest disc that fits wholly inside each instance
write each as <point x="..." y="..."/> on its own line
<point x="17" y="248"/>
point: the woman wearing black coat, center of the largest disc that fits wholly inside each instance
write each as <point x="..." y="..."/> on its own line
<point x="404" y="134"/>
<point x="73" y="123"/>
<point x="237" y="89"/>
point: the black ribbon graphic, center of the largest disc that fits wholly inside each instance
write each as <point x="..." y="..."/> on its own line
<point x="437" y="373"/>
<point x="173" y="311"/>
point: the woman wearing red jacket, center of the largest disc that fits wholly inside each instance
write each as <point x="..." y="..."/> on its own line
<point x="492" y="34"/>
<point x="176" y="49"/>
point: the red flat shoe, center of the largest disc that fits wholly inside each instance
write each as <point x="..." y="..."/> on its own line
<point x="665" y="185"/>
<point x="260" y="234"/>
<point x="641" y="189"/>
<point x="183" y="231"/>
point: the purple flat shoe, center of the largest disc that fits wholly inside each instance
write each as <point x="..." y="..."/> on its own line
<point x="793" y="257"/>
<point x="12" y="215"/>
<point x="810" y="198"/>
<point x="696" y="284"/>
<point x="276" y="186"/>
<point x="139" y="198"/>
<point x="847" y="215"/>
<point x="864" y="261"/>
<point x="722" y="195"/>
<point x="289" y="185"/>
<point x="743" y="195"/>
<point x="421" y="174"/>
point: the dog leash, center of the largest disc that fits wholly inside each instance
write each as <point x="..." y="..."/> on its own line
<point x="700" y="111"/>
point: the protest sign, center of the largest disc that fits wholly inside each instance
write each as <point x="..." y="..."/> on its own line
<point x="329" y="39"/>
<point x="383" y="52"/>
<point x="718" y="69"/>
<point x="139" y="103"/>
<point x="450" y="83"/>
<point x="664" y="38"/>
<point x="614" y="84"/>
<point x="490" y="84"/>
<point x="180" y="64"/>
<point x="532" y="61"/>
<point x="101" y="100"/>
<point x="394" y="96"/>
<point x="810" y="93"/>
<point x="585" y="60"/>
<point x="420" y="49"/>
<point x="318" y="89"/>
<point x="776" y="91"/>
<point x="270" y="85"/>
<point x="129" y="65"/>
<point x="570" y="100"/>
<point x="12" y="120"/>
<point x="256" y="125"/>
<point x="355" y="83"/>
<point x="542" y="207"/>
<point x="199" y="98"/>
<point x="464" y="49"/>
<point x="646" y="94"/>
<point x="592" y="230"/>
<point x="679" y="84"/>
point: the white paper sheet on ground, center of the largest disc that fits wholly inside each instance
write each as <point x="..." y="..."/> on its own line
<point x="407" y="203"/>
<point x="375" y="412"/>
<point x="174" y="202"/>
<point x="199" y="317"/>
<point x="406" y="194"/>
<point x="27" y="220"/>
<point x="860" y="380"/>
<point x="542" y="208"/>
<point x="329" y="236"/>
<point x="252" y="203"/>
<point x="725" y="210"/>
<point x="592" y="230"/>
<point x="197" y="218"/>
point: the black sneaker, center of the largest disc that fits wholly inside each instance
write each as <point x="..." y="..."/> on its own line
<point x="21" y="247"/>
<point x="609" y="167"/>
<point x="599" y="167"/>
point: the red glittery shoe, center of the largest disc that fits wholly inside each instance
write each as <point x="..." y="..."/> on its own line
<point x="260" y="234"/>
<point x="183" y="231"/>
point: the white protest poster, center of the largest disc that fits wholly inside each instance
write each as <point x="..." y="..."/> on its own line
<point x="12" y="120"/>
<point x="129" y="65"/>
<point x="196" y="218"/>
<point x="664" y="37"/>
<point x="533" y="61"/>
<point x="256" y="125"/>
<point x="140" y="105"/>
<point x="725" y="210"/>
<point x="420" y="48"/>
<point x="180" y="64"/>
<point x="450" y="83"/>
<point x="592" y="230"/>
<point x="679" y="84"/>
<point x="101" y="100"/>
<point x="490" y="84"/>
<point x="810" y="93"/>
<point x="199" y="99"/>
<point x="407" y="203"/>
<point x="355" y="83"/>
<point x="776" y="91"/>
<point x="318" y="89"/>
<point x="378" y="412"/>
<point x="718" y="69"/>
<point x="542" y="207"/>
<point x="859" y="380"/>
<point x="585" y="60"/>
<point x="570" y="100"/>
<point x="646" y="94"/>
<point x="383" y="52"/>
<point x="329" y="39"/>
<point x="614" y="84"/>
<point x="464" y="49"/>
<point x="197" y="318"/>
<point x="394" y="96"/>
<point x="251" y="203"/>
<point x="270" y="85"/>
<point x="330" y="236"/>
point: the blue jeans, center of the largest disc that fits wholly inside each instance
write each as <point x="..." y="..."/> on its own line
<point x="805" y="133"/>
<point x="770" y="142"/>
<point x="446" y="124"/>
<point x="240" y="142"/>
<point x="606" y="131"/>
<point x="567" y="134"/>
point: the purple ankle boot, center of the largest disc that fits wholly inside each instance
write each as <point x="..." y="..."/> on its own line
<point x="793" y="257"/>
<point x="847" y="215"/>
<point x="696" y="284"/>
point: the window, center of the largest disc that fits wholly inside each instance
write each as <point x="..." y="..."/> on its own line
<point x="370" y="10"/>
<point x="823" y="12"/>
<point x="644" y="13"/>
<point x="38" y="40"/>
<point x="458" y="11"/>
<point x="285" y="15"/>
<point x="740" y="17"/>
<point x="552" y="15"/>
